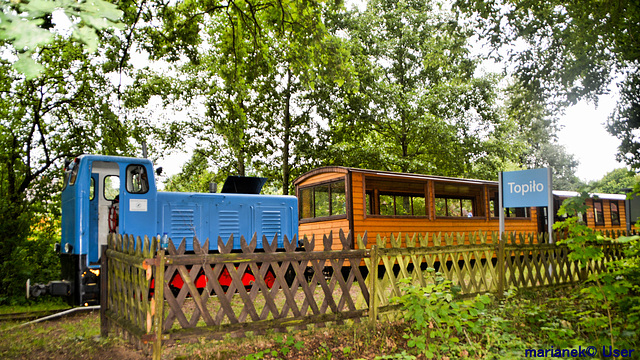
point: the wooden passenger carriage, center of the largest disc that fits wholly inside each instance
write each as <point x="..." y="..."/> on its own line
<point x="607" y="212"/>
<point x="383" y="202"/>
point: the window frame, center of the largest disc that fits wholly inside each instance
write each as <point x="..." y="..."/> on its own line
<point x="527" y="211"/>
<point x="130" y="184"/>
<point x="330" y="184"/>
<point x="104" y="187"/>
<point x="70" y="173"/>
<point x="494" y="200"/>
<point x="446" y="206"/>
<point x="92" y="189"/>
<point x="595" y="213"/>
<point x="395" y="195"/>
<point x="617" y="221"/>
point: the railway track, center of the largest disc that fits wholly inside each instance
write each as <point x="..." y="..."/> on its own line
<point x="43" y="315"/>
<point x="30" y="315"/>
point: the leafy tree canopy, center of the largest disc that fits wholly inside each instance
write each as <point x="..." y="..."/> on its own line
<point x="28" y="25"/>
<point x="195" y="175"/>
<point x="420" y="105"/>
<point x="564" y="51"/>
<point x="615" y="181"/>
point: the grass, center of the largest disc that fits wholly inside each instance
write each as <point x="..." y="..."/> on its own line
<point x="42" y="304"/>
<point x="73" y="337"/>
<point x="525" y="319"/>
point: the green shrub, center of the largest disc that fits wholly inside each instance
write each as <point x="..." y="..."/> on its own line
<point x="439" y="323"/>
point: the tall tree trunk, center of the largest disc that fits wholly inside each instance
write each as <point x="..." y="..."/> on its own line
<point x="240" y="161"/>
<point x="287" y="136"/>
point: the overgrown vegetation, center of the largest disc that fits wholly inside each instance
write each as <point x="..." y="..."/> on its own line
<point x="611" y="292"/>
<point x="450" y="328"/>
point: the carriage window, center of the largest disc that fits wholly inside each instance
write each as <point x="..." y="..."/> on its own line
<point x="323" y="200"/>
<point x="321" y="194"/>
<point x="137" y="179"/>
<point x="615" y="213"/>
<point x="521" y="212"/>
<point x="386" y="205"/>
<point x="338" y="199"/>
<point x="493" y="204"/>
<point x="92" y="189"/>
<point x="111" y="187"/>
<point x="454" y="207"/>
<point x="402" y="205"/>
<point x="598" y="214"/>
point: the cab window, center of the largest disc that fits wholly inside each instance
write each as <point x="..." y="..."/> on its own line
<point x="137" y="179"/>
<point x="111" y="187"/>
<point x="92" y="189"/>
<point x="71" y="173"/>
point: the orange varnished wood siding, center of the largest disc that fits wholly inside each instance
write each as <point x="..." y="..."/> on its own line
<point x="321" y="228"/>
<point x="321" y="177"/>
<point x="606" y="208"/>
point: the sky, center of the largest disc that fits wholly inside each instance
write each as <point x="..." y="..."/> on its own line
<point x="584" y="135"/>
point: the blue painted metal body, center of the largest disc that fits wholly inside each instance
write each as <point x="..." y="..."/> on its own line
<point x="86" y="211"/>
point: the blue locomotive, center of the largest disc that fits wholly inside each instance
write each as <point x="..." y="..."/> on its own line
<point x="111" y="194"/>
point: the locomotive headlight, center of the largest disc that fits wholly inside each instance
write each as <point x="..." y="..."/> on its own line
<point x="68" y="248"/>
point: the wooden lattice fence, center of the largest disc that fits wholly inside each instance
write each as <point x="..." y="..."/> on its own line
<point x="298" y="297"/>
<point x="473" y="262"/>
<point x="312" y="284"/>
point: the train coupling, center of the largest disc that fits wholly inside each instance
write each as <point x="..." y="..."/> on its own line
<point x="55" y="288"/>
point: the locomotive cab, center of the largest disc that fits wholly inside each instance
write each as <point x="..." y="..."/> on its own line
<point x="101" y="195"/>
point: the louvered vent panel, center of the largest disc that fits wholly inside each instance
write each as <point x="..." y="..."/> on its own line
<point x="229" y="223"/>
<point x="271" y="223"/>
<point x="182" y="223"/>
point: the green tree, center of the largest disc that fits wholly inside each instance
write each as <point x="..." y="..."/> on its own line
<point x="625" y="120"/>
<point x="255" y="76"/>
<point x="28" y="25"/>
<point x="615" y="181"/>
<point x="420" y="106"/>
<point x="536" y="137"/>
<point x="565" y="51"/>
<point x="64" y="112"/>
<point x="195" y="175"/>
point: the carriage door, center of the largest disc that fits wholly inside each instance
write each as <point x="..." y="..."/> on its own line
<point x="542" y="213"/>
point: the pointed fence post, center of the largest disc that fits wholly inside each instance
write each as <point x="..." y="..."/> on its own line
<point x="373" y="296"/>
<point x="104" y="299"/>
<point x="158" y="295"/>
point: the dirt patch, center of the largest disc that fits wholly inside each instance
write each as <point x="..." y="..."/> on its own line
<point x="71" y="337"/>
<point x="357" y="341"/>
